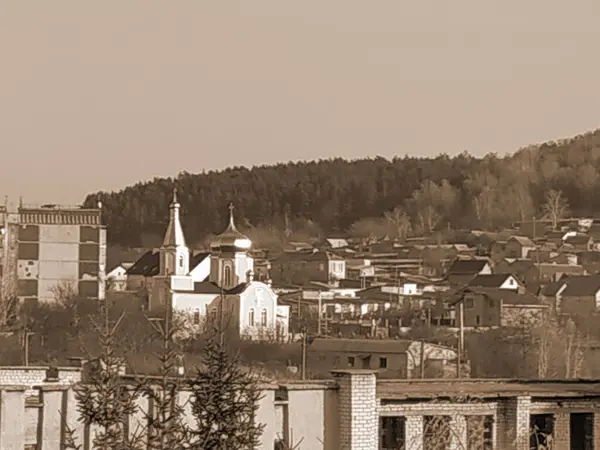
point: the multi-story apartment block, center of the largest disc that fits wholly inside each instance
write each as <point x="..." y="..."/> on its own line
<point x="52" y="247"/>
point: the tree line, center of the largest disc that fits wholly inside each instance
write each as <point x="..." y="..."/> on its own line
<point x="418" y="195"/>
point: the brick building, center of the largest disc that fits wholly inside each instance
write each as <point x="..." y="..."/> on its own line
<point x="357" y="411"/>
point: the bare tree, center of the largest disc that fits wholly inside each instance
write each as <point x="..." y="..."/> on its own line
<point x="399" y="221"/>
<point x="556" y="207"/>
<point x="8" y="302"/>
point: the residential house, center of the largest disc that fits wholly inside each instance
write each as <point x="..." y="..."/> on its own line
<point x="498" y="281"/>
<point x="492" y="307"/>
<point x="578" y="295"/>
<point x="519" y="247"/>
<point x="464" y="270"/>
<point x="579" y="241"/>
<point x="116" y="278"/>
<point x="391" y="358"/>
<point x="553" y="272"/>
<point x="299" y="268"/>
<point x="334" y="243"/>
<point x="525" y="270"/>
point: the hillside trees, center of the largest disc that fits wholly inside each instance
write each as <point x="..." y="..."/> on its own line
<point x="334" y="194"/>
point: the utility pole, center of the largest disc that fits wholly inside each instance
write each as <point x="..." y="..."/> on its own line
<point x="422" y="358"/>
<point x="319" y="315"/>
<point x="303" y="363"/>
<point x="461" y="336"/>
<point x="27" y="335"/>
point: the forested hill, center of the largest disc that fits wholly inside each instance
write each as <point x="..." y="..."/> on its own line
<point x="461" y="191"/>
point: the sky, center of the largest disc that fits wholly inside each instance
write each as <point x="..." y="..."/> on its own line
<point x="98" y="95"/>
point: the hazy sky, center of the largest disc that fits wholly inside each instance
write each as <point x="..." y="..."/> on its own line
<point x="96" y="95"/>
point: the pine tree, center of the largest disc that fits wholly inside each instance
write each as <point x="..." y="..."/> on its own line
<point x="166" y="428"/>
<point x="224" y="400"/>
<point x="105" y="399"/>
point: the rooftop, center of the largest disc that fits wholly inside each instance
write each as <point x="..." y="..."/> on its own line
<point x="485" y="388"/>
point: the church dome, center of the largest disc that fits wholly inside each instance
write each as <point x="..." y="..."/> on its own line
<point x="231" y="239"/>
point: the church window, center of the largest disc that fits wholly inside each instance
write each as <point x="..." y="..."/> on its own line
<point x="181" y="261"/>
<point x="263" y="318"/>
<point x="227" y="275"/>
<point x="251" y="318"/>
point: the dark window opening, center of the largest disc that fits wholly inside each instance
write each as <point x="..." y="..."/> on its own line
<point x="582" y="431"/>
<point x="392" y="433"/>
<point x="350" y="361"/>
<point x="469" y="303"/>
<point x="542" y="427"/>
<point x="383" y="363"/>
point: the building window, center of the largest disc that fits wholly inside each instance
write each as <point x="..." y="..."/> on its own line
<point x="477" y="320"/>
<point x="541" y="426"/>
<point x="350" y="361"/>
<point x="213" y="314"/>
<point x="227" y="275"/>
<point x="322" y="267"/>
<point x="480" y="432"/>
<point x="251" y="318"/>
<point x="383" y="363"/>
<point x="196" y="317"/>
<point x="392" y="432"/>
<point x="468" y="303"/>
<point x="263" y="318"/>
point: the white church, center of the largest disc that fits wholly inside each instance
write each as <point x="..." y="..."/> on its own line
<point x="225" y="274"/>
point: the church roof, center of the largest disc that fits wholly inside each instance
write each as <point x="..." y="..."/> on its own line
<point x="149" y="263"/>
<point x="174" y="236"/>
<point x="209" y="287"/>
<point x="231" y="237"/>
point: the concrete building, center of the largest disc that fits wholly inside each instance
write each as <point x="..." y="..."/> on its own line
<point x="356" y="411"/>
<point x="52" y="247"/>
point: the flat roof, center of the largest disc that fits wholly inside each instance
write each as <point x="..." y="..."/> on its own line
<point x="485" y="388"/>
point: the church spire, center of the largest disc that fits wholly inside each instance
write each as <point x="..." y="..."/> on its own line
<point x="231" y="221"/>
<point x="174" y="236"/>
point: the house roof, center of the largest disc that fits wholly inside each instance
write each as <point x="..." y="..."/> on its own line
<point x="366" y="346"/>
<point x="149" y="263"/>
<point x="581" y="286"/>
<point x="551" y="289"/>
<point x="485" y="388"/>
<point x="578" y="239"/>
<point x="523" y="240"/>
<point x="507" y="296"/>
<point x="467" y="266"/>
<point x="552" y="268"/>
<point x="209" y="287"/>
<point x="491" y="280"/>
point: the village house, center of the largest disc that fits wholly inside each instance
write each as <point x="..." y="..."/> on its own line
<point x="462" y="271"/>
<point x="493" y="307"/>
<point x="578" y="295"/>
<point x="116" y="277"/>
<point x="580" y="242"/>
<point x="302" y="267"/>
<point x="391" y="358"/>
<point x="519" y="247"/>
<point x="498" y="281"/>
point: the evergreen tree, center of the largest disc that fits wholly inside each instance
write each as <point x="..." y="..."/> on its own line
<point x="225" y="399"/>
<point x="105" y="399"/>
<point x="166" y="428"/>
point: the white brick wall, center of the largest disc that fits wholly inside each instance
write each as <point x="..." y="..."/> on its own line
<point x="36" y="376"/>
<point x="359" y="420"/>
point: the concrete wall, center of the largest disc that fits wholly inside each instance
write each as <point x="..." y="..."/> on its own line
<point x="322" y="415"/>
